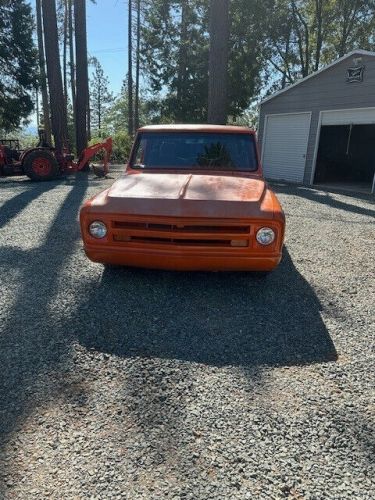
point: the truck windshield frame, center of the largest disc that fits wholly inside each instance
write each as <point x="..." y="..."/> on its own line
<point x="195" y="151"/>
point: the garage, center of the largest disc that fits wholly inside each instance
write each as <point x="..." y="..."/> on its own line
<point x="321" y="130"/>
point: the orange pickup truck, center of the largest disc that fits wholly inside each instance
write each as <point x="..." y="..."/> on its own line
<point x="192" y="198"/>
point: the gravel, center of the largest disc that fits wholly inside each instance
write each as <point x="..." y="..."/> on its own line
<point x="139" y="384"/>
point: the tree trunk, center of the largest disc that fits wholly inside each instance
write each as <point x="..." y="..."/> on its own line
<point x="137" y="67"/>
<point x="81" y="75"/>
<point x="303" y="39"/>
<point x="286" y="57"/>
<point x="130" y="71"/>
<point x="42" y="70"/>
<point x="58" y="109"/>
<point x="319" y="32"/>
<point x="88" y="120"/>
<point x="218" y="62"/>
<point x="182" y="63"/>
<point x="71" y="63"/>
<point x="65" y="44"/>
<point x="37" y="107"/>
<point x="99" y="103"/>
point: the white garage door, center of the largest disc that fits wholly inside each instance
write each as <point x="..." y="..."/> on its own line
<point x="285" y="146"/>
<point x="363" y="116"/>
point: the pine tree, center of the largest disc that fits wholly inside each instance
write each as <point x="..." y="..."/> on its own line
<point x="100" y="96"/>
<point x="18" y="68"/>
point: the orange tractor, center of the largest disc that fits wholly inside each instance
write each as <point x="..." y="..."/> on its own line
<point x="42" y="163"/>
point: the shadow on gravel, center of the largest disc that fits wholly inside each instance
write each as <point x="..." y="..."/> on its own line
<point x="31" y="340"/>
<point x="324" y="198"/>
<point x="15" y="205"/>
<point x="216" y="319"/>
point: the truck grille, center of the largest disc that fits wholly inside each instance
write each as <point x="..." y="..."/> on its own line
<point x="178" y="233"/>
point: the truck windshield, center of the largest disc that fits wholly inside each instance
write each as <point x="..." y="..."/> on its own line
<point x="195" y="150"/>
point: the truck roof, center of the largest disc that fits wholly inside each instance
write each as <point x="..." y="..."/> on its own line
<point x="226" y="129"/>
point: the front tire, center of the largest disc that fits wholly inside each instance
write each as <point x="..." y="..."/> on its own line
<point x="41" y="165"/>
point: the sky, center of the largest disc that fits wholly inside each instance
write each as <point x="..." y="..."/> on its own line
<point x="107" y="37"/>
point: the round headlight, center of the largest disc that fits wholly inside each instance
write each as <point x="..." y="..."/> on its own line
<point x="265" y="236"/>
<point x="98" y="229"/>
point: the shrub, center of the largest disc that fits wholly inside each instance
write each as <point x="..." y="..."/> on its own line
<point x="122" y="143"/>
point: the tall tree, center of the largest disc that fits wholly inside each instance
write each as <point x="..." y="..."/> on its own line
<point x="57" y="100"/>
<point x="82" y="93"/>
<point x="100" y="96"/>
<point x="18" y="63"/>
<point x="65" y="49"/>
<point x="42" y="74"/>
<point x="71" y="62"/>
<point x="137" y="66"/>
<point x="130" y="70"/>
<point x="218" y="62"/>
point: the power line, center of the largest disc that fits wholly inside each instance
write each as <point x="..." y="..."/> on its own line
<point x="110" y="50"/>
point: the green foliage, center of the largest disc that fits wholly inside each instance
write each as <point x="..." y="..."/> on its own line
<point x="246" y="53"/>
<point x="116" y="116"/>
<point x="249" y="118"/>
<point x="304" y="35"/>
<point x="27" y="140"/>
<point x="18" y="73"/>
<point x="272" y="44"/>
<point x="175" y="57"/>
<point x="122" y="143"/>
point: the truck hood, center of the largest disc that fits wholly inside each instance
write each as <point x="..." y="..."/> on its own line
<point x="187" y="195"/>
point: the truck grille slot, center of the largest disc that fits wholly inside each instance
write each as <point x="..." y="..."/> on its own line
<point x="179" y="242"/>
<point x="173" y="233"/>
<point x="181" y="228"/>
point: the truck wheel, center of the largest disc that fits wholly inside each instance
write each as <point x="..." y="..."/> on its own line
<point x="41" y="166"/>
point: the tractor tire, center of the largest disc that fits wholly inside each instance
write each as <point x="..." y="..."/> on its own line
<point x="41" y="165"/>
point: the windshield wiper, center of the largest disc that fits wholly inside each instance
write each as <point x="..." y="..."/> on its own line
<point x="138" y="165"/>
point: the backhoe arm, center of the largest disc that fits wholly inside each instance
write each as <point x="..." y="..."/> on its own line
<point x="91" y="151"/>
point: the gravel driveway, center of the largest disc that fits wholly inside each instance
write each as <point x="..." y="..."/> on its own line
<point x="145" y="385"/>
